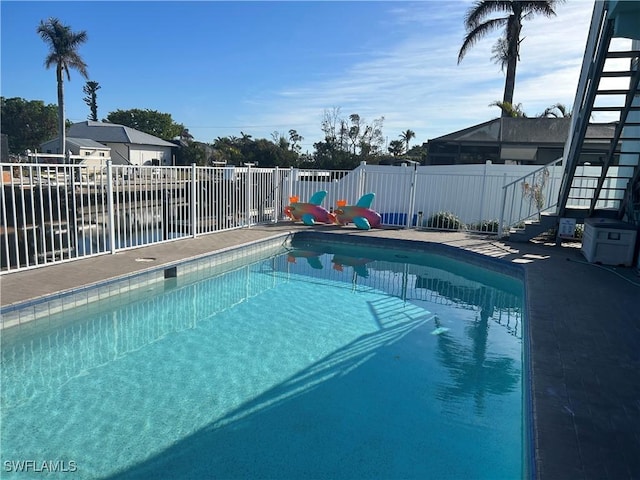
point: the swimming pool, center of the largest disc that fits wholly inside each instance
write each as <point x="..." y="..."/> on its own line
<point x="317" y="360"/>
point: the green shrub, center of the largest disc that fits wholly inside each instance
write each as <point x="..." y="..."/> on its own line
<point x="485" y="226"/>
<point x="444" y="221"/>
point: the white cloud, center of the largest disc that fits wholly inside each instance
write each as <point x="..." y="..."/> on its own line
<point x="417" y="83"/>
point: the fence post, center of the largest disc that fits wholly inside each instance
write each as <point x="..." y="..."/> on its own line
<point x="276" y="195"/>
<point x="361" y="179"/>
<point x="111" y="220"/>
<point x="412" y="196"/>
<point x="248" y="188"/>
<point x="482" y="195"/>
<point x="503" y="204"/>
<point x="72" y="218"/>
<point x="194" y="198"/>
<point x="293" y="172"/>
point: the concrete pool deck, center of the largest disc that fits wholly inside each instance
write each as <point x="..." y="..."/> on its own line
<point x="584" y="324"/>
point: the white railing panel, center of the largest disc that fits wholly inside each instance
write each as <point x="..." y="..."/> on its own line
<point x="393" y="193"/>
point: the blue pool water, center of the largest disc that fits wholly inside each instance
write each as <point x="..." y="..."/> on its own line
<point x="321" y="362"/>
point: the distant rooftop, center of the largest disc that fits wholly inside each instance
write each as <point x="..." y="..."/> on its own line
<point x="114" y="133"/>
<point x="536" y="130"/>
<point x="85" y="143"/>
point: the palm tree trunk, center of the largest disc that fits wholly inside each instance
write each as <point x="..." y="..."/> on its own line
<point x="513" y="38"/>
<point x="509" y="84"/>
<point x="61" y="125"/>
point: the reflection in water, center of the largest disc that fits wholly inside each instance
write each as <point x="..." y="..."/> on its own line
<point x="474" y="372"/>
<point x="413" y="282"/>
<point x="359" y="265"/>
<point x="313" y="258"/>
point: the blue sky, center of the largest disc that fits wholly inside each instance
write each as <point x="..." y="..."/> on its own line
<point x="221" y="68"/>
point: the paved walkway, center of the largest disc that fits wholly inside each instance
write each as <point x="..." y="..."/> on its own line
<point x="585" y="337"/>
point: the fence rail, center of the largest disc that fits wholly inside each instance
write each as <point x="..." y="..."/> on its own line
<point x="61" y="212"/>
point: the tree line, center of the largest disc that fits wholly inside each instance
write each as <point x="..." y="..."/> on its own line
<point x="347" y="141"/>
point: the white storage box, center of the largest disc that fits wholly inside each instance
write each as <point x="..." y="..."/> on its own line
<point x="609" y="242"/>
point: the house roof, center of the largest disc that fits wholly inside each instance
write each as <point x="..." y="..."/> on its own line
<point x="114" y="133"/>
<point x="524" y="130"/>
<point x="86" y="143"/>
<point x="483" y="132"/>
<point x="535" y="130"/>
<point x="76" y="142"/>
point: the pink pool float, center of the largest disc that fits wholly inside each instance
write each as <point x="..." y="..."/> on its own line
<point x="309" y="212"/>
<point x="359" y="214"/>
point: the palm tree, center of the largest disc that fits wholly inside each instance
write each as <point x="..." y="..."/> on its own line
<point x="557" y="110"/>
<point x="63" y="53"/>
<point x="396" y="147"/>
<point x="509" y="110"/>
<point x="478" y="24"/>
<point x="406" y="137"/>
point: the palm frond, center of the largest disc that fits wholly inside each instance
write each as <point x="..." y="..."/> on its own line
<point x="63" y="45"/>
<point x="483" y="9"/>
<point x="478" y="33"/>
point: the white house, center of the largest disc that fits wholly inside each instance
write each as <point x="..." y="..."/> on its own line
<point x="127" y="145"/>
<point x="78" y="146"/>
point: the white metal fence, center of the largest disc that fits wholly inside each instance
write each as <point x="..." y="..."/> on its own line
<point x="449" y="197"/>
<point x="60" y="212"/>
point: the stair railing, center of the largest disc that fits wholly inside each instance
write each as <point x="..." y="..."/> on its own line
<point x="595" y="55"/>
<point x="528" y="196"/>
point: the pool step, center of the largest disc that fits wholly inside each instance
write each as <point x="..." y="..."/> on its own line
<point x="533" y="229"/>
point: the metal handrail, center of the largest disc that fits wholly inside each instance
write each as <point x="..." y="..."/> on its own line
<point x="511" y="186"/>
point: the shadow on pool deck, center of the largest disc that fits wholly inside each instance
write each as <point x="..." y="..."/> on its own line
<point x="584" y="326"/>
